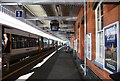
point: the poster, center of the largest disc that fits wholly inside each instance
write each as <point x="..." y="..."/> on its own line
<point x="89" y="47"/>
<point x="75" y="44"/>
<point x="111" y="47"/>
<point x="0" y="41"/>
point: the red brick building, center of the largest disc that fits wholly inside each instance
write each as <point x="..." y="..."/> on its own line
<point x="98" y="16"/>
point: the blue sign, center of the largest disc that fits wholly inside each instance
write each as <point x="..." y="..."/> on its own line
<point x="19" y="13"/>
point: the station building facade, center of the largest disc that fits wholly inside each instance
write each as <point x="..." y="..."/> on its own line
<point x="102" y="37"/>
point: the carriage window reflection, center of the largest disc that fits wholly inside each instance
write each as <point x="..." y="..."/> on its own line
<point x="6" y="43"/>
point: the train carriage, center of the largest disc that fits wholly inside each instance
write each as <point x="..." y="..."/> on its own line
<point x="22" y="45"/>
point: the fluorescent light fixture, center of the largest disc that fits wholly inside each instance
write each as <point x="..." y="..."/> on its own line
<point x="12" y="22"/>
<point x="11" y="3"/>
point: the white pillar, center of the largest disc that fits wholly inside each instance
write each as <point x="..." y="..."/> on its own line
<point x="0" y="52"/>
<point x="85" y="38"/>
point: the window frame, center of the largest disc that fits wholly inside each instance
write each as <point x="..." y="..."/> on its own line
<point x="99" y="29"/>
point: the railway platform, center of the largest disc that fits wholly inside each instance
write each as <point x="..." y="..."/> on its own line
<point x="59" y="65"/>
<point x="60" y="40"/>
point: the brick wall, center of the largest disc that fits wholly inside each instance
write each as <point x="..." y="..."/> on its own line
<point x="80" y="34"/>
<point x="111" y="14"/>
<point x="72" y="41"/>
<point x="91" y="26"/>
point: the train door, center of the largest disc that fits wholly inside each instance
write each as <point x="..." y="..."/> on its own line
<point x="52" y="43"/>
<point x="41" y="43"/>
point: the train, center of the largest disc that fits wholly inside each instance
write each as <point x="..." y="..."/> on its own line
<point x="22" y="44"/>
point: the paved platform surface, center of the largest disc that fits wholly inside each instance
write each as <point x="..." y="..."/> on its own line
<point x="59" y="66"/>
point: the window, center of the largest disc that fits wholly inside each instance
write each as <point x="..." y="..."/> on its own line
<point x="45" y="40"/>
<point x="99" y="33"/>
<point x="14" y="42"/>
<point x="24" y="42"/>
<point x="50" y="42"/>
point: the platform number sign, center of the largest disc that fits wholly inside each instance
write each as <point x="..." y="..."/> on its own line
<point x="19" y="13"/>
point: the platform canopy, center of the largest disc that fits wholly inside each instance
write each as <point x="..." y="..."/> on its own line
<point x="55" y="1"/>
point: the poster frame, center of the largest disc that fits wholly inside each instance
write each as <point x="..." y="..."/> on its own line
<point x="118" y="45"/>
<point x="89" y="42"/>
<point x="75" y="45"/>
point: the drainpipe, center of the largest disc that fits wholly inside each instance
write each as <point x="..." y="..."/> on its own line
<point x="85" y="41"/>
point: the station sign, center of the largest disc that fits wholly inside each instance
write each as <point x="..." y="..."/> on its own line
<point x="111" y="47"/>
<point x="54" y="25"/>
<point x="19" y="13"/>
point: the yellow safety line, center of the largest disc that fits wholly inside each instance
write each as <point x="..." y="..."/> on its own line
<point x="21" y="68"/>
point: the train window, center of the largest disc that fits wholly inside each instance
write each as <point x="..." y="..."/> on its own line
<point x="34" y="42"/>
<point x="50" y="43"/>
<point x="14" y="41"/>
<point x="37" y="43"/>
<point x="18" y="41"/>
<point x="45" y="40"/>
<point x="23" y="42"/>
<point x="30" y="42"/>
<point x="26" y="42"/>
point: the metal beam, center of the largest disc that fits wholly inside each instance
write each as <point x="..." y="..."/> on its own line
<point x="67" y="18"/>
<point x="61" y="25"/>
<point x="44" y="1"/>
<point x="66" y="25"/>
<point x="65" y="29"/>
<point x="53" y="1"/>
<point x="57" y="3"/>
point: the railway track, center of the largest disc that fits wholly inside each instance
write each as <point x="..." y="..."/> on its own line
<point x="16" y="67"/>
